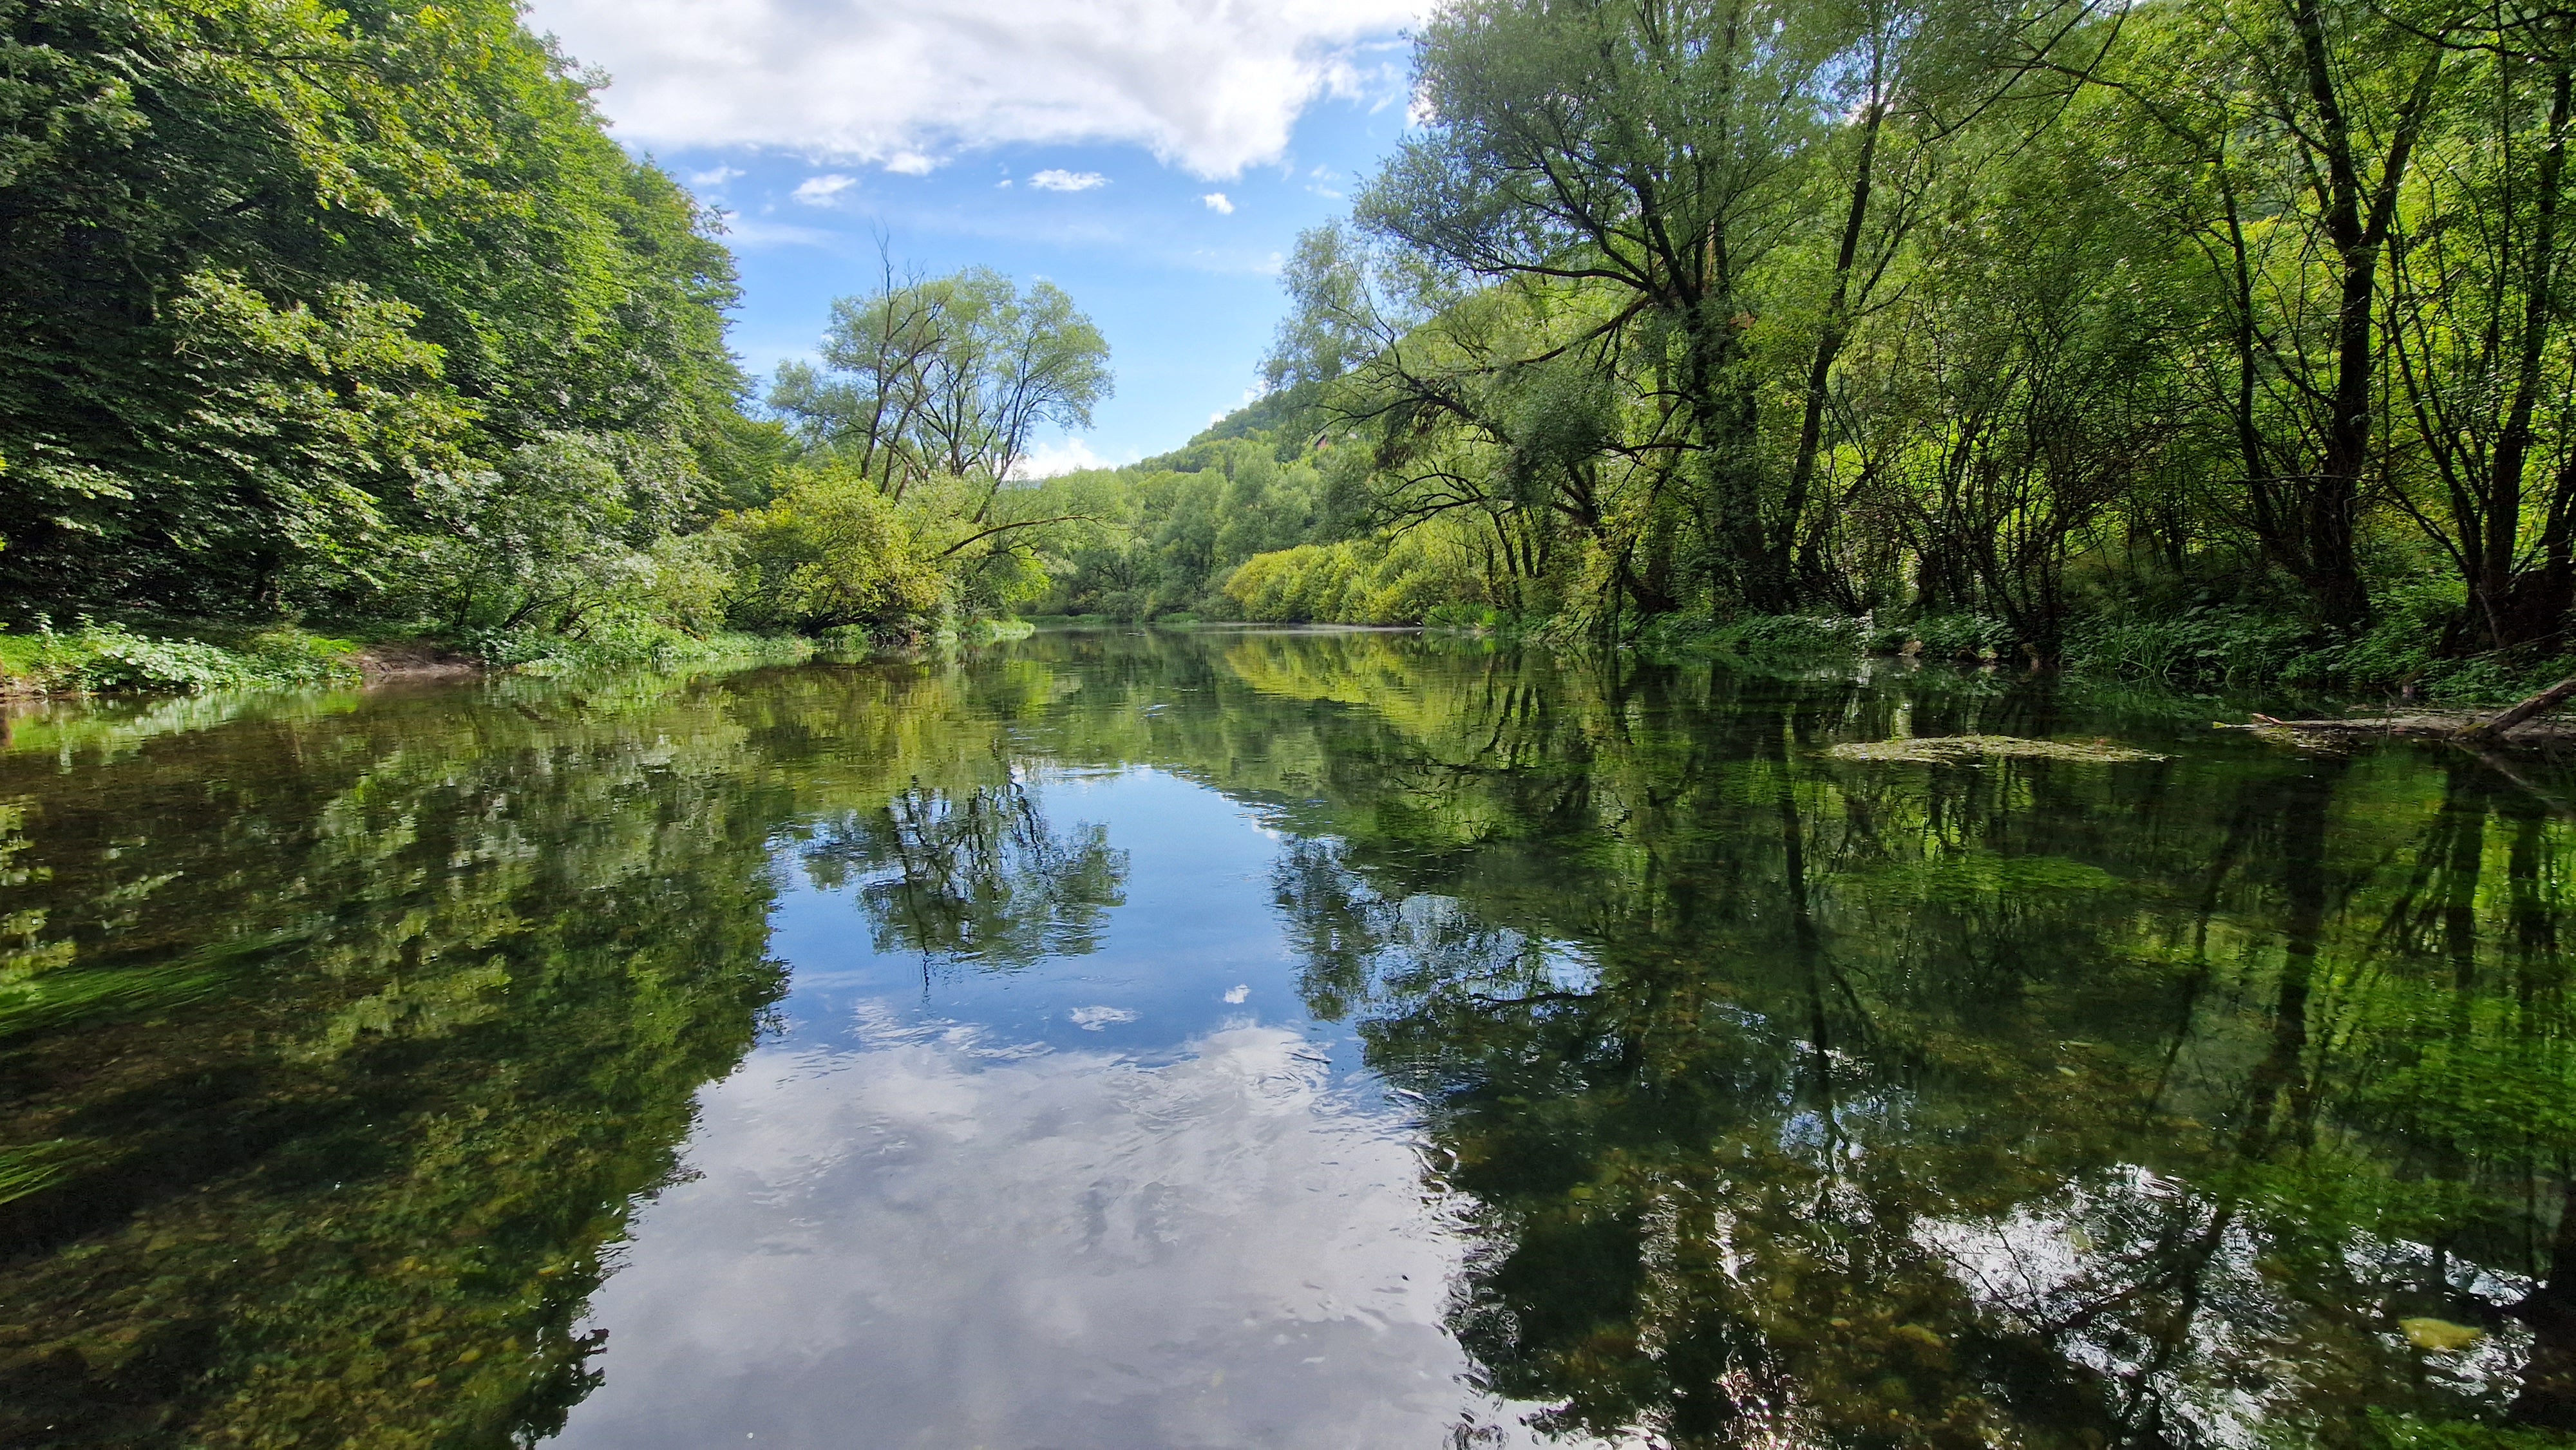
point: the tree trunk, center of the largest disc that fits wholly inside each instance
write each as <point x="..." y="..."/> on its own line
<point x="2511" y="613"/>
<point x="1837" y="323"/>
<point x="2540" y="704"/>
<point x="2357" y="225"/>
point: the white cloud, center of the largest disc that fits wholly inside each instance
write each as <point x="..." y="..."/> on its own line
<point x="1049" y="459"/>
<point x="1219" y="202"/>
<point x="1209" y="85"/>
<point x="910" y="163"/>
<point x="717" y="177"/>
<point x="1053" y="179"/>
<point x="819" y="190"/>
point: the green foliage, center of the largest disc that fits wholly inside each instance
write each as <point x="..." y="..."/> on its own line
<point x="2198" y="648"/>
<point x="832" y="550"/>
<point x="363" y="262"/>
<point x="2413" y="1432"/>
<point x="1405" y="580"/>
<point x="110" y="658"/>
<point x="2020" y="314"/>
<point x="638" y="644"/>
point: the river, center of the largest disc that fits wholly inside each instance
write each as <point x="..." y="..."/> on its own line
<point x="1239" y="1038"/>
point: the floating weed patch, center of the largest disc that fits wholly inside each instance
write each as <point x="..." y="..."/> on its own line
<point x="1959" y="749"/>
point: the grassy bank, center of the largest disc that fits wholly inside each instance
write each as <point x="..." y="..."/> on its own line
<point x="130" y="657"/>
<point x="2203" y="650"/>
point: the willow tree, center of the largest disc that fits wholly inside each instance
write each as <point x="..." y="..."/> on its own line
<point x="947" y="377"/>
<point x="1653" y="150"/>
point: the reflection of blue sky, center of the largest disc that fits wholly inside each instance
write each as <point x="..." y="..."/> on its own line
<point x="1197" y="924"/>
<point x="951" y="1208"/>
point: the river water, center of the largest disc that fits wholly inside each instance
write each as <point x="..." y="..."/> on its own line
<point x="1272" y="1039"/>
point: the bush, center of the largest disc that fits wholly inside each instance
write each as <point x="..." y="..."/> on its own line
<point x="2199" y="648"/>
<point x="1953" y="637"/>
<point x="1402" y="580"/>
<point x="1767" y="637"/>
<point x="627" y="644"/>
<point x="832" y="551"/>
<point x="107" y="659"/>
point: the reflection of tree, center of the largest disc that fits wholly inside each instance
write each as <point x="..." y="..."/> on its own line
<point x="2038" y="1104"/>
<point x="973" y="875"/>
<point x="370" y="1030"/>
<point x="2035" y="1104"/>
<point x="338" y="1039"/>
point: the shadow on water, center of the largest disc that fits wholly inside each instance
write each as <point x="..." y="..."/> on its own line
<point x="2221" y="1098"/>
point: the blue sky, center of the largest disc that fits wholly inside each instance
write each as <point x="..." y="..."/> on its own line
<point x="1077" y="140"/>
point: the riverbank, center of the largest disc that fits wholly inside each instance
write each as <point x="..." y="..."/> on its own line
<point x="2394" y="667"/>
<point x="182" y="657"/>
<point x="2397" y="665"/>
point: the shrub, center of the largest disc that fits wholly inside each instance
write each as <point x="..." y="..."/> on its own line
<point x="1402" y="580"/>
<point x="109" y="658"/>
<point x="2198" y="648"/>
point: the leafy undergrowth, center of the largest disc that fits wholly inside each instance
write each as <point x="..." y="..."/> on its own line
<point x="651" y="647"/>
<point x="2386" y="1431"/>
<point x="109" y="658"/>
<point x="114" y="658"/>
<point x="2198" y="650"/>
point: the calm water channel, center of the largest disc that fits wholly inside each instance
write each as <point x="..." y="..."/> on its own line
<point x="1242" y="1039"/>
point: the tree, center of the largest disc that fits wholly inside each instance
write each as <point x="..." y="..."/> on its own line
<point x="1650" y="147"/>
<point x="264" y="269"/>
<point x="948" y="376"/>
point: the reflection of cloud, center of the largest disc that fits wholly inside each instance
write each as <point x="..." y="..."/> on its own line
<point x="2096" y="1270"/>
<point x="945" y="1245"/>
<point x="1093" y="1019"/>
<point x="1239" y="993"/>
<point x="1214" y="87"/>
<point x="1058" y="179"/>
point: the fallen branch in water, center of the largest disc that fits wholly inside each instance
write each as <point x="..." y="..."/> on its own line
<point x="2540" y="704"/>
<point x="2521" y="725"/>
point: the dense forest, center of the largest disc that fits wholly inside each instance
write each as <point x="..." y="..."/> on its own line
<point x="360" y="317"/>
<point x="2189" y="339"/>
<point x="2201" y="339"/>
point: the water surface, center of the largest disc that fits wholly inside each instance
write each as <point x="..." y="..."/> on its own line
<point x="1234" y="1039"/>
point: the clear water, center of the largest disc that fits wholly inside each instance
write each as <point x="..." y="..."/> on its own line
<point x="1243" y="1039"/>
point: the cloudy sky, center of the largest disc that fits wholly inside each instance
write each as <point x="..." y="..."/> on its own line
<point x="1155" y="158"/>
